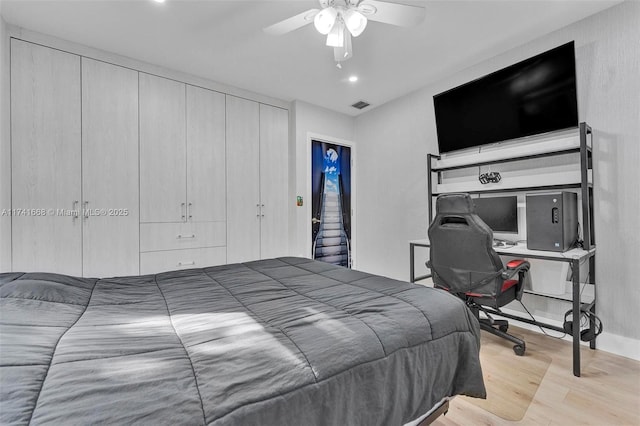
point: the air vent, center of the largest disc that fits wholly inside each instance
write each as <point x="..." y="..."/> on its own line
<point x="360" y="104"/>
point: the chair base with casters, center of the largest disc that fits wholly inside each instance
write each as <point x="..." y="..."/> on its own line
<point x="510" y="290"/>
<point x="498" y="327"/>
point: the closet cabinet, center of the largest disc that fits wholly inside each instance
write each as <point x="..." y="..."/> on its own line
<point x="163" y="166"/>
<point x="120" y="172"/>
<point x="182" y="176"/>
<point x="45" y="159"/>
<point x="274" y="181"/>
<point x="74" y="163"/>
<point x="205" y="155"/>
<point x="110" y="191"/>
<point x="257" y="180"/>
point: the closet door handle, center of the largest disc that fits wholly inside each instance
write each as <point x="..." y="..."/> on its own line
<point x="262" y="210"/>
<point x="183" y="211"/>
<point x="191" y="262"/>
<point x="258" y="210"/>
<point x="190" y="211"/>
<point x="74" y="211"/>
<point x="180" y="236"/>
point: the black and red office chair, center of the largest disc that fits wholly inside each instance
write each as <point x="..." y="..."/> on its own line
<point x="463" y="262"/>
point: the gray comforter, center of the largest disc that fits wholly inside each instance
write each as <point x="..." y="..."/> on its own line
<point x="286" y="341"/>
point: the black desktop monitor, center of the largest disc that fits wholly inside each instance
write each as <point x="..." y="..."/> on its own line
<point x="499" y="213"/>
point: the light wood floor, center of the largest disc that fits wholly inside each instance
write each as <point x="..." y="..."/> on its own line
<point x="607" y="393"/>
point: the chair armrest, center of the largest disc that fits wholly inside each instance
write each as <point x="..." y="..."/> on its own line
<point x="517" y="263"/>
<point x="519" y="268"/>
<point x="515" y="267"/>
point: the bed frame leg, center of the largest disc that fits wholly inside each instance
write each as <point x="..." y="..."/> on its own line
<point x="440" y="411"/>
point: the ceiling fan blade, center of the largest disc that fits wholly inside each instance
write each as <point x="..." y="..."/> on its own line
<point x="293" y="23"/>
<point x="392" y="13"/>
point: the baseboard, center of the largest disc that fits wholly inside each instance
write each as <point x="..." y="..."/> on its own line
<point x="608" y="342"/>
<point x="619" y="345"/>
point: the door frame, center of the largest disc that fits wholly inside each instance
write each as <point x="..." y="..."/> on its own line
<point x="352" y="146"/>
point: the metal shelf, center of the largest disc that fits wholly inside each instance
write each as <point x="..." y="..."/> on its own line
<point x="508" y="160"/>
<point x="566" y="297"/>
<point x="584" y="183"/>
<point x="520" y="189"/>
<point x="566" y="144"/>
<point x="562" y="142"/>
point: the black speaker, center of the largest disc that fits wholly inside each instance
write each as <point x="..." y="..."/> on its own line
<point x="552" y="221"/>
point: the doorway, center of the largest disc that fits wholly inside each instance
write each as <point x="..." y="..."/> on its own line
<point x="331" y="203"/>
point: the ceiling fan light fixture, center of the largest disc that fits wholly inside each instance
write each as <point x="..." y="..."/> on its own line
<point x="325" y="20"/>
<point x="336" y="36"/>
<point x="355" y="21"/>
<point x="340" y="20"/>
<point x="345" y="51"/>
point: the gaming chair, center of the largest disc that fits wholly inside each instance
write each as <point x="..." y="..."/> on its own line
<point x="463" y="262"/>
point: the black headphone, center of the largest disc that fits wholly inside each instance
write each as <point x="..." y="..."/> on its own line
<point x="587" y="334"/>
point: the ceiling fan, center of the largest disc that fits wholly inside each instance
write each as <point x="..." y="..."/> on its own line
<point x="339" y="20"/>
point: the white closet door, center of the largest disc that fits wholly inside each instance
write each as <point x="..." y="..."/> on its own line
<point x="45" y="159"/>
<point x="162" y="150"/>
<point x="274" y="181"/>
<point x="110" y="169"/>
<point x="206" y="187"/>
<point x="243" y="191"/>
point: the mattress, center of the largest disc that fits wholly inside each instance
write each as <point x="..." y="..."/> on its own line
<point x="287" y="341"/>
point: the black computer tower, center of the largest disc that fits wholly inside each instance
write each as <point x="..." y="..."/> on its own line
<point x="552" y="221"/>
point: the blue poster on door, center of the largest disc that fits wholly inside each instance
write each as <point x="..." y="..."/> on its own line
<point x="331" y="203"/>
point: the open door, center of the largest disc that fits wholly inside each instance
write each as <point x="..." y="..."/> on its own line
<point x="331" y="203"/>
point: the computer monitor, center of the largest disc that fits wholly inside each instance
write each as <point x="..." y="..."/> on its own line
<point x="499" y="213"/>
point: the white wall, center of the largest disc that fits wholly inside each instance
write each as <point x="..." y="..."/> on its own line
<point x="5" y="151"/>
<point x="308" y="119"/>
<point x="396" y="137"/>
<point x="392" y="183"/>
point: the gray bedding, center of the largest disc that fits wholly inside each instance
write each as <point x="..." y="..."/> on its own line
<point x="286" y="341"/>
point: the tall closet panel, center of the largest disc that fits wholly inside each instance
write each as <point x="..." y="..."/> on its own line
<point x="163" y="165"/>
<point x="243" y="180"/>
<point x="110" y="189"/>
<point x="274" y="181"/>
<point x="45" y="159"/>
<point x="206" y="180"/>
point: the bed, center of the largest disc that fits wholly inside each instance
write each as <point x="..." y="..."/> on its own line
<point x="287" y="341"/>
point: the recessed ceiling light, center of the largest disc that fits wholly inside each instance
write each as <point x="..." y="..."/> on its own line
<point x="353" y="78"/>
<point x="159" y="1"/>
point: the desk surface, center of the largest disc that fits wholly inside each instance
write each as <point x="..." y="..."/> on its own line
<point x="521" y="249"/>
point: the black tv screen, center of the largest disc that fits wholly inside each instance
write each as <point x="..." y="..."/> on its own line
<point x="534" y="96"/>
<point x="499" y="213"/>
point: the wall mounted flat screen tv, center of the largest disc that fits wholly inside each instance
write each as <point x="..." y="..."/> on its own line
<point x="537" y="95"/>
<point x="499" y="213"/>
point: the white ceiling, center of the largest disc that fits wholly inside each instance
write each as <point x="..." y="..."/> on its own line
<point x="223" y="41"/>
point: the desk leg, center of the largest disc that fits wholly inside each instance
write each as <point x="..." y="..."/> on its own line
<point x="592" y="271"/>
<point x="575" y="267"/>
<point x="592" y="326"/>
<point x="412" y="272"/>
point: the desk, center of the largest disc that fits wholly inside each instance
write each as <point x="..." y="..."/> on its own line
<point x="574" y="257"/>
